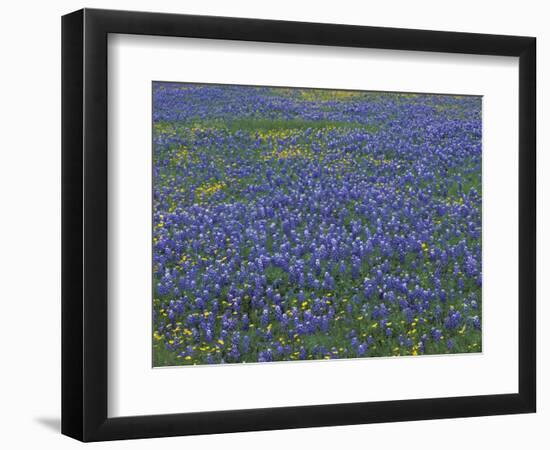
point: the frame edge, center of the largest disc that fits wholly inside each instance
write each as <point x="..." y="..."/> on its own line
<point x="72" y="90"/>
<point x="527" y="209"/>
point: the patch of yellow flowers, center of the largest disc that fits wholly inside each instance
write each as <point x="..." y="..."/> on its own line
<point x="288" y="153"/>
<point x="208" y="189"/>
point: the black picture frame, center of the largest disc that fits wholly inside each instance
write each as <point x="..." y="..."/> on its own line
<point x="84" y="224"/>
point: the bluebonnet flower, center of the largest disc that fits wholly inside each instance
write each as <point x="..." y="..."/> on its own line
<point x="436" y="334"/>
<point x="453" y="320"/>
<point x="246" y="344"/>
<point x="328" y="282"/>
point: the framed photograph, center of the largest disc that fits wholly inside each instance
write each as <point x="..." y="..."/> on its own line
<point x="273" y="224"/>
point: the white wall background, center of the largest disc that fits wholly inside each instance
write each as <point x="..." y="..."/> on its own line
<point x="30" y="222"/>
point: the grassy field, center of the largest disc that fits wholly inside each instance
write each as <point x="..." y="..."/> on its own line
<point x="294" y="224"/>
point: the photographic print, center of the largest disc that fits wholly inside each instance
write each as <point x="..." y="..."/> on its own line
<point x="314" y="224"/>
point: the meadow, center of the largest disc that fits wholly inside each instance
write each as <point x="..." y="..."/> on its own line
<point x="304" y="224"/>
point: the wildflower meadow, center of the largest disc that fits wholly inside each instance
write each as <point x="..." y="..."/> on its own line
<point x="308" y="224"/>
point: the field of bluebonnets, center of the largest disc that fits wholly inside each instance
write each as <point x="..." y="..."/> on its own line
<point x="297" y="224"/>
